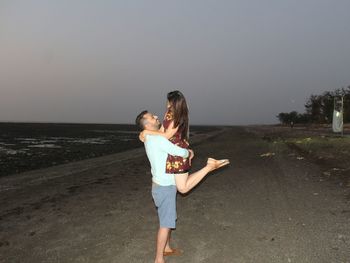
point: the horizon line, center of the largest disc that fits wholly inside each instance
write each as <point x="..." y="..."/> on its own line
<point x="61" y="122"/>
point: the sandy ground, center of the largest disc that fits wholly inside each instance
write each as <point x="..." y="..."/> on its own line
<point x="276" y="208"/>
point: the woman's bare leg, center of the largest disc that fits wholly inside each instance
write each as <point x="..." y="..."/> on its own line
<point x="185" y="182"/>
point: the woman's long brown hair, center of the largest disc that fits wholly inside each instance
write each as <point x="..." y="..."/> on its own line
<point x="179" y="109"/>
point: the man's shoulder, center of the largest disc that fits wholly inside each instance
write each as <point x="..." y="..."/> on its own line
<point x="155" y="142"/>
<point x="155" y="139"/>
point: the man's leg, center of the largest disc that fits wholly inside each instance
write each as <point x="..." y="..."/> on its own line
<point x="165" y="199"/>
<point x="185" y="182"/>
<point x="162" y="239"/>
<point x="167" y="245"/>
<point x="168" y="250"/>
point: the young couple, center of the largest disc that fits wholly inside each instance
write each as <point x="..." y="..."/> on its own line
<point x="168" y="151"/>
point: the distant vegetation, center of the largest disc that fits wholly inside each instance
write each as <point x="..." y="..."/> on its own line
<point x="319" y="108"/>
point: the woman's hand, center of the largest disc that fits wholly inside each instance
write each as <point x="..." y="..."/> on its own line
<point x="142" y="136"/>
<point x="191" y="156"/>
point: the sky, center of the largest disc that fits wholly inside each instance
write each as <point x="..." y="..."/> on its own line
<point x="237" y="62"/>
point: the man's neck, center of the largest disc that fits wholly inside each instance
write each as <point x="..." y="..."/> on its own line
<point x="153" y="129"/>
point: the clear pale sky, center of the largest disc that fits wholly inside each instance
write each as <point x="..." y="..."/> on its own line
<point x="237" y="62"/>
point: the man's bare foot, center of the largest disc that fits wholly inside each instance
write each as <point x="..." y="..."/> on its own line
<point x="172" y="252"/>
<point x="214" y="164"/>
<point x="159" y="260"/>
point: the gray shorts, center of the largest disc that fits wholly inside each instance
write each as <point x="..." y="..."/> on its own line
<point x="165" y="200"/>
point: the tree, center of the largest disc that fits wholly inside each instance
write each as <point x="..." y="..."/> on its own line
<point x="313" y="108"/>
<point x="346" y="94"/>
<point x="293" y="116"/>
<point x="327" y="105"/>
<point x="283" y="117"/>
<point x="319" y="108"/>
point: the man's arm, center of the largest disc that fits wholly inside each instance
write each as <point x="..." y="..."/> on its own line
<point x="172" y="149"/>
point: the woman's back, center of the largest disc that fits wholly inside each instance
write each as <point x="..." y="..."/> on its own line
<point x="175" y="164"/>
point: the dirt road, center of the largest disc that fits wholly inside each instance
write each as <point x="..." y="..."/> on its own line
<point x="270" y="205"/>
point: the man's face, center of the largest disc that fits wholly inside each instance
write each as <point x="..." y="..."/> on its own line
<point x="151" y="121"/>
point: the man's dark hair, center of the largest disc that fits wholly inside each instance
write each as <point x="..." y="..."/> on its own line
<point x="140" y="121"/>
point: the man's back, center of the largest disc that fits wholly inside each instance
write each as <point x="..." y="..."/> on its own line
<point x="157" y="149"/>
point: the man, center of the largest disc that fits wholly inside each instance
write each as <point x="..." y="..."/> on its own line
<point x="163" y="185"/>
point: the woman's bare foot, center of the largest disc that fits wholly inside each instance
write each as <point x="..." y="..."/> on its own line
<point x="214" y="164"/>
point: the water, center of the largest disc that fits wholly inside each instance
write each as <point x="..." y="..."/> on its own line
<point x="29" y="146"/>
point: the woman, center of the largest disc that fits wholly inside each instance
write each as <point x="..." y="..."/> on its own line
<point x="176" y="129"/>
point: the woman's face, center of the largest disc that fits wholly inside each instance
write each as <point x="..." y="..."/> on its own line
<point x="168" y="105"/>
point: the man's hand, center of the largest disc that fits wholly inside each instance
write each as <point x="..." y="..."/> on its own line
<point x="142" y="136"/>
<point x="191" y="155"/>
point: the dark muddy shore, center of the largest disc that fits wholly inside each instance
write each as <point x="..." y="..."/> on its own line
<point x="273" y="204"/>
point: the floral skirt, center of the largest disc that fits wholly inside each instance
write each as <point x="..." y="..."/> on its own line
<point x="177" y="164"/>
